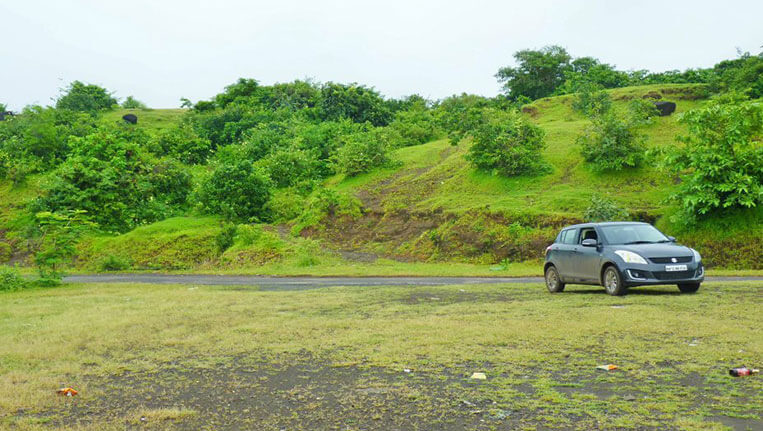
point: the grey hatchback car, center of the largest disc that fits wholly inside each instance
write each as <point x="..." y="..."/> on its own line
<point x="618" y="255"/>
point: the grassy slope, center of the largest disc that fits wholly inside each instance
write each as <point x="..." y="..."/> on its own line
<point x="149" y="119"/>
<point x="431" y="179"/>
<point x="454" y="186"/>
<point x="134" y="348"/>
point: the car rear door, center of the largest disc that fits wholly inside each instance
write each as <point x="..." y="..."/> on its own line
<point x="564" y="251"/>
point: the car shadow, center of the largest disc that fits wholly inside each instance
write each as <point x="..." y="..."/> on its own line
<point x="631" y="291"/>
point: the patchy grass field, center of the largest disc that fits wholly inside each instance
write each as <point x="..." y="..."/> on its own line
<point x="205" y="357"/>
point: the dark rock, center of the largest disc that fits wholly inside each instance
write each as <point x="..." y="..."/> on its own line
<point x="5" y="114"/>
<point x="665" y="108"/>
<point x="133" y="119"/>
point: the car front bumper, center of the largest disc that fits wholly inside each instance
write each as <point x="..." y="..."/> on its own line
<point x="652" y="274"/>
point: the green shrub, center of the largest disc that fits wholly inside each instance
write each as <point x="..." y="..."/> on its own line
<point x="11" y="280"/>
<point x="591" y="101"/>
<point x="285" y="205"/>
<point x="289" y="167"/>
<point x="6" y="252"/>
<point x="83" y="97"/>
<point x="133" y="103"/>
<point x="603" y="208"/>
<point x="415" y="126"/>
<point x="54" y="245"/>
<point x="642" y="111"/>
<point x="612" y="144"/>
<point x="506" y="144"/>
<point x="225" y="237"/>
<point x="361" y="152"/>
<point x="183" y="144"/>
<point x="721" y="164"/>
<point x="237" y="192"/>
<point x="114" y="263"/>
<point x="116" y="182"/>
<point x="327" y="202"/>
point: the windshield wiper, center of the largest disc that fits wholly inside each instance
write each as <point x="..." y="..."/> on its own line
<point x="639" y="242"/>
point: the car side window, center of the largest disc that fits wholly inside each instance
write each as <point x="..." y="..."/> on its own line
<point x="588" y="233"/>
<point x="569" y="236"/>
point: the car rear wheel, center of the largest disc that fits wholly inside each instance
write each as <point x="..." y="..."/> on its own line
<point x="613" y="282"/>
<point x="553" y="282"/>
<point x="688" y="287"/>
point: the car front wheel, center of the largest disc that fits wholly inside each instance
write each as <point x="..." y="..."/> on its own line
<point x="613" y="282"/>
<point x="688" y="287"/>
<point x="553" y="282"/>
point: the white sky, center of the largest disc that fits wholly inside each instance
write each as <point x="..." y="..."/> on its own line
<point x="162" y="50"/>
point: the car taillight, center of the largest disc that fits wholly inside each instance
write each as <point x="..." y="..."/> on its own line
<point x="548" y="249"/>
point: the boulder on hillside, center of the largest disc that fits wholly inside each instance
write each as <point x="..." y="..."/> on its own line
<point x="130" y="118"/>
<point x="665" y="108"/>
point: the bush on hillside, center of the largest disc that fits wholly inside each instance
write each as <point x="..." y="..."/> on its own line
<point x="133" y="103"/>
<point x="743" y="75"/>
<point x="54" y="241"/>
<point x="82" y="97"/>
<point x="415" y="126"/>
<point x="612" y="144"/>
<point x="507" y="144"/>
<point x="237" y="192"/>
<point x="354" y="102"/>
<point x="183" y="144"/>
<point x="642" y="112"/>
<point x="291" y="167"/>
<point x="116" y="182"/>
<point x="361" y="152"/>
<point x="591" y="101"/>
<point x="603" y="208"/>
<point x="38" y="139"/>
<point x="10" y="279"/>
<point x="721" y="164"/>
<point x="538" y="74"/>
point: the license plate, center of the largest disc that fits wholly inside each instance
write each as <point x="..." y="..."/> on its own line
<point x="671" y="268"/>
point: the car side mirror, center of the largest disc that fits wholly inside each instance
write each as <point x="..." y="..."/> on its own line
<point x="589" y="243"/>
<point x="672" y="238"/>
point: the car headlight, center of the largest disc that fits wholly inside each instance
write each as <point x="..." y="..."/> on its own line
<point x="697" y="256"/>
<point x="630" y="257"/>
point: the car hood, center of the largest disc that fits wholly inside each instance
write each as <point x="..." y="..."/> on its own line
<point x="656" y="250"/>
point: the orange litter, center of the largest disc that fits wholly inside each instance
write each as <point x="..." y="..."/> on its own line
<point x="67" y="392"/>
<point x="608" y="367"/>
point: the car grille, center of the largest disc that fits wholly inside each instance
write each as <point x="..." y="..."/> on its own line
<point x="673" y="275"/>
<point x="682" y="259"/>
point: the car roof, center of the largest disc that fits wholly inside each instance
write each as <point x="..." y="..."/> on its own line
<point x="605" y="223"/>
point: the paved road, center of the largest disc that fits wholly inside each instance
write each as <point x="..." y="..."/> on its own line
<point x="302" y="283"/>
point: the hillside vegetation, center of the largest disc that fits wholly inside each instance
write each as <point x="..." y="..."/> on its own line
<point x="334" y="178"/>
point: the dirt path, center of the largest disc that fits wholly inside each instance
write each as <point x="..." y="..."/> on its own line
<point x="305" y="283"/>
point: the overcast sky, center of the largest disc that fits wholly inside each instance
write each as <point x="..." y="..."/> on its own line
<point x="162" y="50"/>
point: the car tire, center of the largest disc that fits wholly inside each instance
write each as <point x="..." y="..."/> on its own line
<point x="613" y="281"/>
<point x="553" y="282"/>
<point x="688" y="287"/>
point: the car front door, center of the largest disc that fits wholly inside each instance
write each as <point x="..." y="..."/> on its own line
<point x="586" y="260"/>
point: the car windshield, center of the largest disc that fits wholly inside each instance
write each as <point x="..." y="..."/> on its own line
<point x="632" y="234"/>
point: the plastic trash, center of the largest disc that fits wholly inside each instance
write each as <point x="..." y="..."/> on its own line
<point x="743" y="371"/>
<point x="479" y="376"/>
<point x="608" y="367"/>
<point x="67" y="392"/>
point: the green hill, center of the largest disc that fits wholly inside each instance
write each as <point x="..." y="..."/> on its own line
<point x="434" y="207"/>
